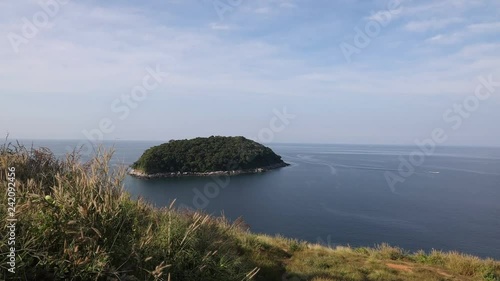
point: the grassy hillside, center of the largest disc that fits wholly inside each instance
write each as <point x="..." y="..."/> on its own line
<point x="76" y="223"/>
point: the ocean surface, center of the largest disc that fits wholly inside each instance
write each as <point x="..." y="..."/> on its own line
<point x="339" y="195"/>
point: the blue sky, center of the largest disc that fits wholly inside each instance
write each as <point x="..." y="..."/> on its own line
<point x="228" y="74"/>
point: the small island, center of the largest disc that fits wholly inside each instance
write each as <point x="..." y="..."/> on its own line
<point x="215" y="155"/>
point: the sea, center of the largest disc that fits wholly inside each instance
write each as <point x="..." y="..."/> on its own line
<point x="447" y="198"/>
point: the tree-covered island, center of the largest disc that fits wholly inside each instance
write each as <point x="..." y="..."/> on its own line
<point x="206" y="156"/>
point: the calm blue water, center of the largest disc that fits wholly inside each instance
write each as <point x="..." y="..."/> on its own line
<point x="337" y="194"/>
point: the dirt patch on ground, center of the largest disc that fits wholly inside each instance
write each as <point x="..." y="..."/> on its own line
<point x="444" y="273"/>
<point x="401" y="267"/>
<point x="408" y="268"/>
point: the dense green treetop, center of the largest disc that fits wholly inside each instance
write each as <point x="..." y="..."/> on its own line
<point x="215" y="153"/>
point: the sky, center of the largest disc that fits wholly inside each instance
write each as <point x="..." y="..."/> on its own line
<point x="324" y="71"/>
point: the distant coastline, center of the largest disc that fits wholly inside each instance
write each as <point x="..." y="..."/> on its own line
<point x="142" y="175"/>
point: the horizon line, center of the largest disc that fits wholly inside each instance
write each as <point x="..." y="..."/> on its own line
<point x="269" y="143"/>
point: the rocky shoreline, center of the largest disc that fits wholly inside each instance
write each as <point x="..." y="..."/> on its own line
<point x="142" y="175"/>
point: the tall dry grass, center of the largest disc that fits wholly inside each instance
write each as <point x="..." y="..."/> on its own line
<point x="75" y="222"/>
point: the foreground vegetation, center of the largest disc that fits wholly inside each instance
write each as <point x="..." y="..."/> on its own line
<point x="76" y="223"/>
<point x="206" y="155"/>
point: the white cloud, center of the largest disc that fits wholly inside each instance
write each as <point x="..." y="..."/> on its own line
<point x="443" y="8"/>
<point x="479" y="50"/>
<point x="432" y="24"/>
<point x="218" y="26"/>
<point x="288" y="4"/>
<point x="82" y="55"/>
<point x="484" y="27"/>
<point x="263" y="10"/>
<point x="382" y="16"/>
<point x="468" y="31"/>
<point x="445" y="39"/>
<point x="265" y="7"/>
